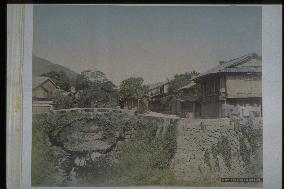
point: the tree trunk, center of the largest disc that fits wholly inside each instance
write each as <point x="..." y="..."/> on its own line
<point x="138" y="105"/>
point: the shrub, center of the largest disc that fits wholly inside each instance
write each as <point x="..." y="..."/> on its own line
<point x="146" y="160"/>
<point x="43" y="159"/>
<point x="222" y="147"/>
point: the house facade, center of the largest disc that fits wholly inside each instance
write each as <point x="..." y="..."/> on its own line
<point x="43" y="91"/>
<point x="235" y="82"/>
<point x="44" y="88"/>
<point x="187" y="101"/>
<point x="159" y="99"/>
<point x="42" y="106"/>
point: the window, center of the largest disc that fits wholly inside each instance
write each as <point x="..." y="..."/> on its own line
<point x="162" y="90"/>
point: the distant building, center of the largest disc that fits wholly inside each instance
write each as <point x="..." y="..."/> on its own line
<point x="157" y="89"/>
<point x="42" y="106"/>
<point x="187" y="101"/>
<point x="43" y="91"/>
<point x="95" y="75"/>
<point x="44" y="88"/>
<point x="234" y="82"/>
<point x="159" y="98"/>
<point x="73" y="93"/>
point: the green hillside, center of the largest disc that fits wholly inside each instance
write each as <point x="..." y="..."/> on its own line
<point x="41" y="66"/>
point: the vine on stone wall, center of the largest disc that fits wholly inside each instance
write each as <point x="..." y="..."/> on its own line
<point x="224" y="149"/>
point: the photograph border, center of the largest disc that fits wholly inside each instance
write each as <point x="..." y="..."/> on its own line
<point x="272" y="99"/>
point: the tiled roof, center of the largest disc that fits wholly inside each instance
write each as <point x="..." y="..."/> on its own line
<point x="233" y="66"/>
<point x="155" y="85"/>
<point x="39" y="80"/>
<point x="243" y="69"/>
<point x="191" y="84"/>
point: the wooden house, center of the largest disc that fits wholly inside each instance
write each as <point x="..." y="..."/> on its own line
<point x="44" y="88"/>
<point x="157" y="89"/>
<point x="160" y="101"/>
<point x="234" y="82"/>
<point x="43" y="92"/>
<point x="42" y="106"/>
<point x="187" y="101"/>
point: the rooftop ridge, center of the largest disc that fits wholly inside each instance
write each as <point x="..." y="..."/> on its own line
<point x="230" y="64"/>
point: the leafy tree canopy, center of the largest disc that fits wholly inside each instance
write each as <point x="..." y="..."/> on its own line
<point x="64" y="101"/>
<point x="132" y="88"/>
<point x="180" y="80"/>
<point x="94" y="91"/>
<point x="82" y="82"/>
<point x="98" y="95"/>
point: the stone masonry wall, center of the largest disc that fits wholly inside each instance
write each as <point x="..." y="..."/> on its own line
<point x="80" y="138"/>
<point x="215" y="148"/>
<point x="206" y="149"/>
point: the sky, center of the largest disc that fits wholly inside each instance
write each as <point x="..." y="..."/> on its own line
<point x="153" y="42"/>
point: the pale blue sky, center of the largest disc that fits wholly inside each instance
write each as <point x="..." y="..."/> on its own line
<point x="152" y="42"/>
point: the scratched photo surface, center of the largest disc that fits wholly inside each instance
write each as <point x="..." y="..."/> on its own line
<point x="147" y="96"/>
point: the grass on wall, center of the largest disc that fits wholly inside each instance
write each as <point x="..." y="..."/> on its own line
<point x="43" y="159"/>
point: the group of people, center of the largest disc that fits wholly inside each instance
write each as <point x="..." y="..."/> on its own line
<point x="246" y="111"/>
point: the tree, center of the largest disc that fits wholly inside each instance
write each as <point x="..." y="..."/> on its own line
<point x="82" y="82"/>
<point x="60" y="78"/>
<point x="91" y="93"/>
<point x="98" y="95"/>
<point x="132" y="89"/>
<point x="94" y="91"/>
<point x="180" y="80"/>
<point x="64" y="101"/>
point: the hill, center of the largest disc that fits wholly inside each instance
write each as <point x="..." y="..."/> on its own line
<point x="41" y="66"/>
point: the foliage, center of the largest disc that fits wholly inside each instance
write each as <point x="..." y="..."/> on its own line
<point x="254" y="136"/>
<point x="207" y="158"/>
<point x="60" y="78"/>
<point x="254" y="139"/>
<point x="146" y="160"/>
<point x="98" y="76"/>
<point x="100" y="93"/>
<point x="244" y="150"/>
<point x="82" y="82"/>
<point x="224" y="149"/>
<point x="180" y="80"/>
<point x="145" y="165"/>
<point x="255" y="167"/>
<point x="43" y="159"/>
<point x="132" y="88"/>
<point x="64" y="101"/>
<point x="143" y="161"/>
